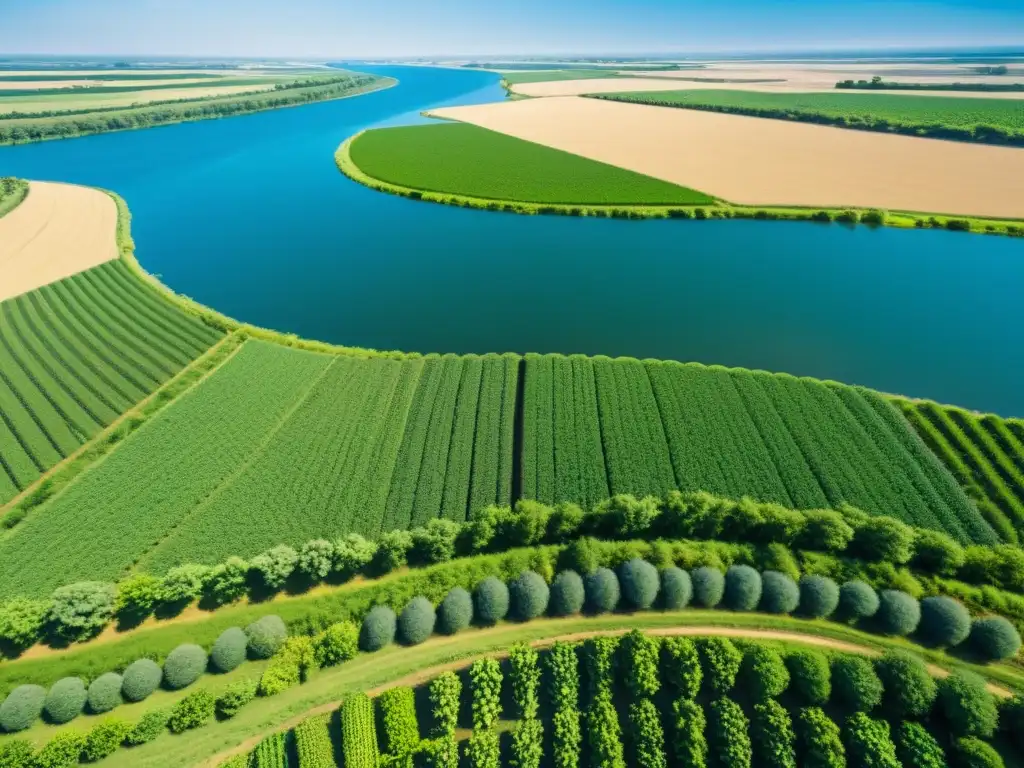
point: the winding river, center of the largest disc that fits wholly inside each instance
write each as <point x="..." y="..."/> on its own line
<point x="250" y="215"/>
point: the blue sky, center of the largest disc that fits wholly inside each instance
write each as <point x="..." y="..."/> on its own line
<point x="378" y="28"/>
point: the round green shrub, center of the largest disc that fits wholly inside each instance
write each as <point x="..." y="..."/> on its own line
<point x="22" y="708"/>
<point x="779" y="593"/>
<point x="567" y="594"/>
<point x="764" y="674"/>
<point x="81" y="610"/>
<point x="708" y="586"/>
<point x="490" y="601"/>
<point x="338" y="643"/>
<point x="857" y="601"/>
<point x="183" y="666"/>
<point x="945" y="622"/>
<point x="105" y="693"/>
<point x="455" y="612"/>
<point x="910" y="690"/>
<point x="229" y="650"/>
<point x="416" y="622"/>
<point x="639" y="582"/>
<point x="898" y="613"/>
<point x="969" y="709"/>
<point x="266" y="635"/>
<point x="602" y="588"/>
<point x="819" y="596"/>
<point x="676" y="589"/>
<point x="379" y="628"/>
<point x="855" y="683"/>
<point x="972" y="752"/>
<point x="65" y="700"/>
<point x="529" y="595"/>
<point x="140" y="679"/>
<point x="994" y="638"/>
<point x="810" y="677"/>
<point x="742" y="588"/>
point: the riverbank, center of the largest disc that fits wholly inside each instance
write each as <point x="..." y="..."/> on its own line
<point x="12" y="192"/>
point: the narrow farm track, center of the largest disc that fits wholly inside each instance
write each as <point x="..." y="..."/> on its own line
<point x="424" y="675"/>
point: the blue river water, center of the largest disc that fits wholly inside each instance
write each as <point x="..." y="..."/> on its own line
<point x="249" y="215"/>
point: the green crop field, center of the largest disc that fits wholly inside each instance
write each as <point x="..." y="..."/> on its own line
<point x="74" y="356"/>
<point x="463" y="159"/>
<point x="516" y="78"/>
<point x="988" y="120"/>
<point x="984" y="453"/>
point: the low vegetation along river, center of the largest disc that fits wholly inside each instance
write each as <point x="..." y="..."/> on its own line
<point x="250" y="215"/>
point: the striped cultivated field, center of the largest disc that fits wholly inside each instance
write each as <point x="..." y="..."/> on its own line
<point x="984" y="453"/>
<point x="596" y="425"/>
<point x="76" y="354"/>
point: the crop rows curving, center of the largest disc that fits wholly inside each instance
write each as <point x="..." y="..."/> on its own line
<point x="271" y="752"/>
<point x="77" y="354"/>
<point x="313" y="743"/>
<point x="358" y="733"/>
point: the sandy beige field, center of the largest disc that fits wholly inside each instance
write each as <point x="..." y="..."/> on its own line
<point x="58" y="231"/>
<point x="758" y="161"/>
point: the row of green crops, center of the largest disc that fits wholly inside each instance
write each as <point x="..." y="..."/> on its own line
<point x="984" y="453"/>
<point x="971" y="119"/>
<point x="76" y="354"/>
<point x="596" y="425"/>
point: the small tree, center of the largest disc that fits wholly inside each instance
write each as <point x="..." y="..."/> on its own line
<point x="79" y="611"/>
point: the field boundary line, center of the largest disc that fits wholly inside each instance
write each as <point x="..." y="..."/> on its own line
<point x="138" y="410"/>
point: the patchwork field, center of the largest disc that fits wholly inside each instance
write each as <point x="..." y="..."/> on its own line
<point x="750" y="160"/>
<point x="58" y="230"/>
<point x="467" y="160"/>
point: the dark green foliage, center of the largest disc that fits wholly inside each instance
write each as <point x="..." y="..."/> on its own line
<point x="602" y="588"/>
<point x="527" y="738"/>
<point x="720" y="660"/>
<point x="639" y="583"/>
<point x="140" y="679"/>
<point x="416" y="623"/>
<point x="646" y="734"/>
<point x="64" y="750"/>
<point x="604" y="734"/>
<point x="65" y="700"/>
<point x="226" y="581"/>
<point x="105" y="692"/>
<point x="910" y="690"/>
<point x="338" y="643"/>
<point x="358" y="733"/>
<point x="972" y="752"/>
<point x="916" y="748"/>
<point x="937" y="552"/>
<point x="728" y="734"/>
<point x="638" y="658"/>
<point x="994" y="638"/>
<point x="22" y="707"/>
<point x="136" y="598"/>
<point x="234" y="697"/>
<point x="563" y="692"/>
<point x="708" y="586"/>
<point x="810" y="676"/>
<point x="455" y="612"/>
<point x="396" y="708"/>
<point x="434" y="542"/>
<point x="681" y="665"/>
<point x="819" y="740"/>
<point x="103" y="739"/>
<point x="528" y="596"/>
<point x="884" y="539"/>
<point x="779" y="593"/>
<point x="898" y="613"/>
<point x="742" y="588"/>
<point x="567" y="594"/>
<point x="676" y="589"/>
<point x="771" y="732"/>
<point x="857" y="601"/>
<point x="855" y="683"/>
<point x="944" y="621"/>
<point x="490" y="601"/>
<point x="379" y="628"/>
<point x="583" y="556"/>
<point x="266" y="635"/>
<point x="183" y="666"/>
<point x="485" y="677"/>
<point x="868" y="744"/>
<point x="968" y="708"/>
<point x="445" y="693"/>
<point x="229" y="650"/>
<point x="819" y="596"/>
<point x="825" y="530"/>
<point x="689" y="744"/>
<point x="148" y="727"/>
<point x="763" y="673"/>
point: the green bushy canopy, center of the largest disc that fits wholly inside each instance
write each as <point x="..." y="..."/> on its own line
<point x="105" y="693"/>
<point x="529" y="595"/>
<point x="602" y="588"/>
<point x="455" y="612"/>
<point x="229" y="650"/>
<point x="66" y="700"/>
<point x="639" y="583"/>
<point x="708" y="586"/>
<point x="184" y="665"/>
<point x="819" y="596"/>
<point x="490" y="601"/>
<point x="140" y="679"/>
<point x="22" y="708"/>
<point x="379" y="628"/>
<point x="266" y="635"/>
<point x="676" y="589"/>
<point x="567" y="594"/>
<point x="416" y="623"/>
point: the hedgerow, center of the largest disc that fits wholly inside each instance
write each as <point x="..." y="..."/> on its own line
<point x="194" y="711"/>
<point x="742" y="588"/>
<point x="819" y="596"/>
<point x="681" y="662"/>
<point x="149" y="726"/>
<point x="857" y="601"/>
<point x="689" y="744"/>
<point x="638" y="659"/>
<point x="22" y="707"/>
<point x="820" y="743"/>
<point x="64" y="750"/>
<point x="528" y="596"/>
<point x="602" y="590"/>
<point x="231" y="700"/>
<point x="140" y="679"/>
<point x="944" y="621"/>
<point x="416" y="622"/>
<point x="483" y="748"/>
<point x="445" y="694"/>
<point x="772" y="736"/>
<point x="909" y="688"/>
<point x="646" y="734"/>
<point x="105" y="691"/>
<point x="971" y="752"/>
<point x="916" y="748"/>
<point x="338" y="643"/>
<point x="79" y="611"/>
<point x="994" y="638"/>
<point x="855" y="683"/>
<point x="604" y="734"/>
<point x="266" y="635"/>
<point x="810" y="676"/>
<point x="779" y="593"/>
<point x="490" y="601"/>
<point x="967" y="706"/>
<point x="868" y="742"/>
<point x="639" y="584"/>
<point x="708" y="586"/>
<point x="728" y="734"/>
<point x="720" y="662"/>
<point x="358" y="732"/>
<point x="313" y="743"/>
<point x="564" y="689"/>
<point x="763" y="672"/>
<point x="898" y="613"/>
<point x="398" y="724"/>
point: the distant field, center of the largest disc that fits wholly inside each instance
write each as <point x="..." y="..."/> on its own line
<point x="988" y="120"/>
<point x="515" y="78"/>
<point x="467" y="160"/>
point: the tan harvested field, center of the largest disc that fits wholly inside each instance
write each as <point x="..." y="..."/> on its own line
<point x="58" y="231"/>
<point x="60" y="102"/>
<point x="757" y="161"/>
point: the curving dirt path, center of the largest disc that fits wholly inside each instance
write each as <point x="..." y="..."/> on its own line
<point x="57" y="231"/>
<point x="429" y="673"/>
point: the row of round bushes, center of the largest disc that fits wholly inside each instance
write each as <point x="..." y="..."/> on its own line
<point x="78" y="611"/>
<point x="70" y="697"/>
<point x="638" y="585"/>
